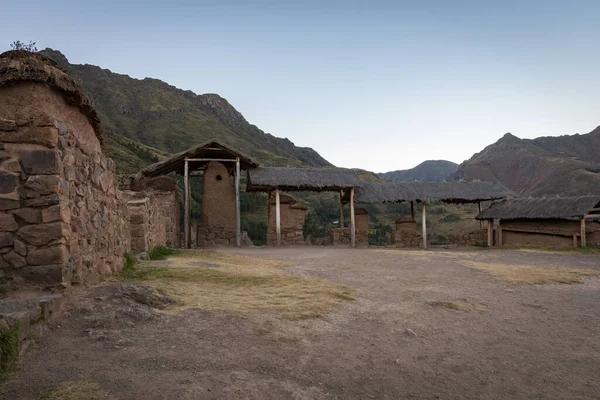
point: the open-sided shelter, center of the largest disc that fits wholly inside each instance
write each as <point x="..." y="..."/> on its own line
<point x="221" y="197"/>
<point x="555" y="221"/>
<point x="272" y="179"/>
<point x="459" y="192"/>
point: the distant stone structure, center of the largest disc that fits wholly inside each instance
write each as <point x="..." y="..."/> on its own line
<point x="62" y="218"/>
<point x="292" y="216"/>
<point x="343" y="235"/>
<point x="406" y="234"/>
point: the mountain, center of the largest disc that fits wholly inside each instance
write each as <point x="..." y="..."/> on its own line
<point x="427" y="171"/>
<point x="563" y="165"/>
<point x="146" y="119"/>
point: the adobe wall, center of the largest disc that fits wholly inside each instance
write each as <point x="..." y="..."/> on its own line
<point x="343" y="235"/>
<point x="547" y="232"/>
<point x="218" y="225"/>
<point x="406" y="234"/>
<point x="292" y="216"/>
<point x="154" y="216"/>
<point x="62" y="218"/>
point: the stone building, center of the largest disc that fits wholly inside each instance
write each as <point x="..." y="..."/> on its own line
<point x="293" y="214"/>
<point x="548" y="222"/>
<point x="63" y="219"/>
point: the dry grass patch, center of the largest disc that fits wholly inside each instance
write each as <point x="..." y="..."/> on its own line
<point x="530" y="275"/>
<point x="77" y="390"/>
<point x="236" y="283"/>
<point x="426" y="254"/>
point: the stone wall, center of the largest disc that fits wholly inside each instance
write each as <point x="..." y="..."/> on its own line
<point x="62" y="218"/>
<point x="406" y="234"/>
<point x="292" y="216"/>
<point x="477" y="237"/>
<point x="342" y="236"/>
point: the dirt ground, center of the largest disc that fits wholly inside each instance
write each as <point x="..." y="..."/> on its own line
<point x="423" y="325"/>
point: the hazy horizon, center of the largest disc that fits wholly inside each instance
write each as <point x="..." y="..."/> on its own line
<point x="379" y="87"/>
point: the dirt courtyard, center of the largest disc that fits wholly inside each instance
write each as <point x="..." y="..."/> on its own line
<point x="422" y="325"/>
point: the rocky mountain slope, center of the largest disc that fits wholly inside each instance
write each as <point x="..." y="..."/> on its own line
<point x="144" y="119"/>
<point x="563" y="165"/>
<point x="427" y="171"/>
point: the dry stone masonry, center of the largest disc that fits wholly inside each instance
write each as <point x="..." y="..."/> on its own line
<point x="343" y="235"/>
<point x="292" y="216"/>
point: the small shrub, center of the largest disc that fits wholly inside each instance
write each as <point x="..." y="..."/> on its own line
<point x="439" y="240"/>
<point x="256" y="229"/>
<point x="18" y="45"/>
<point x="380" y="235"/>
<point x="9" y="352"/>
<point x="130" y="264"/>
<point x="451" y="218"/>
<point x="436" y="210"/>
<point x="161" y="253"/>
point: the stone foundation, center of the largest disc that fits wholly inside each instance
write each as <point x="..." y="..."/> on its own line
<point x="406" y="234"/>
<point x="478" y="237"/>
<point x="342" y="236"/>
<point x="292" y="216"/>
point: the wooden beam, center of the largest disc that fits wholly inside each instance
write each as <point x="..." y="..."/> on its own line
<point x="278" y="217"/>
<point x="479" y="206"/>
<point x="412" y="209"/>
<point x="583" y="238"/>
<point x="341" y="209"/>
<point x="186" y="217"/>
<point x="352" y="220"/>
<point x="211" y="159"/>
<point x="424" y="224"/>
<point x="574" y="240"/>
<point x="238" y="222"/>
<point x="499" y="234"/>
<point x="490" y="232"/>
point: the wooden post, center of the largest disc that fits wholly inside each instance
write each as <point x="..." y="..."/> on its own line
<point x="424" y="224"/>
<point x="412" y="210"/>
<point x="490" y="232"/>
<point x="479" y="206"/>
<point x="238" y="222"/>
<point x="583" y="238"/>
<point x="186" y="216"/>
<point x="278" y="217"/>
<point x="574" y="240"/>
<point x="499" y="233"/>
<point x="352" y="220"/>
<point x="341" y="209"/>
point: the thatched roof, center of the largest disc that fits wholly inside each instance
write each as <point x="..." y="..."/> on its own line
<point x="20" y="66"/>
<point x="431" y="192"/>
<point x="546" y="208"/>
<point x="211" y="149"/>
<point x="301" y="179"/>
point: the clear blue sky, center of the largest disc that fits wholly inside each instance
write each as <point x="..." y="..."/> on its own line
<point x="375" y="85"/>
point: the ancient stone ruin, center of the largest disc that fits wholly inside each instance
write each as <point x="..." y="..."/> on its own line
<point x="342" y="236"/>
<point x="292" y="216"/>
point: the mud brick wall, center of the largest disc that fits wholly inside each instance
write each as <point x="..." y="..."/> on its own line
<point x="292" y="216"/>
<point x="62" y="218"/>
<point x="547" y="232"/>
<point x="469" y="239"/>
<point x="154" y="219"/>
<point x="343" y="235"/>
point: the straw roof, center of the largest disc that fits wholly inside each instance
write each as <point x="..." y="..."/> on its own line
<point x="431" y="192"/>
<point x="212" y="149"/>
<point x="547" y="208"/>
<point x="20" y="66"/>
<point x="301" y="179"/>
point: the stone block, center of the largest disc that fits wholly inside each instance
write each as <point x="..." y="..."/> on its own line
<point x="8" y="182"/>
<point x="136" y="219"/>
<point x="41" y="234"/>
<point x="38" y="185"/>
<point x="29" y="215"/>
<point x="46" y="136"/>
<point x="52" y="275"/>
<point x="9" y="204"/>
<point x="12" y="165"/>
<point x="138" y="244"/>
<point x="138" y="230"/>
<point x="41" y="162"/>
<point x="20" y="247"/>
<point x="48" y="255"/>
<point x="7" y="125"/>
<point x="20" y="320"/>
<point x="14" y="259"/>
<point x="56" y="212"/>
<point x="8" y="223"/>
<point x="42" y="201"/>
<point x="6" y="239"/>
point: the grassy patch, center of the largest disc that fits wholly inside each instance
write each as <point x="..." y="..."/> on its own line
<point x="531" y="275"/>
<point x="77" y="390"/>
<point x="161" y="253"/>
<point x="212" y="280"/>
<point x="9" y="352"/>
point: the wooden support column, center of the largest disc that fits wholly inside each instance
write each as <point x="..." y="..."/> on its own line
<point x="238" y="222"/>
<point x="490" y="232"/>
<point x="352" y="219"/>
<point x="479" y="206"/>
<point x="341" y="209"/>
<point x="583" y="238"/>
<point x="574" y="240"/>
<point x="278" y="217"/>
<point x="424" y="224"/>
<point x="499" y="233"/>
<point x="412" y="209"/>
<point x="186" y="216"/>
